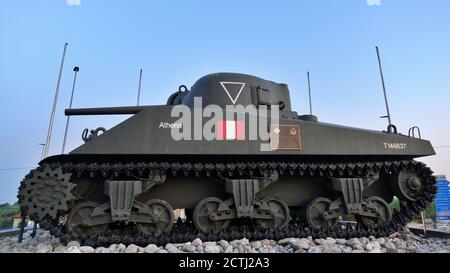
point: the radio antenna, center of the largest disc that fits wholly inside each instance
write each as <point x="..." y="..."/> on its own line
<point x="139" y="88"/>
<point x="309" y="91"/>
<point x="391" y="127"/>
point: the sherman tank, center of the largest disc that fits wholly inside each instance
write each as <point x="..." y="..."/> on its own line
<point x="232" y="153"/>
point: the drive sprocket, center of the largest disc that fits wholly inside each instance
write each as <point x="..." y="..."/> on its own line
<point x="46" y="192"/>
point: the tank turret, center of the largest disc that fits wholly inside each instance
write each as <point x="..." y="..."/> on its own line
<point x="231" y="88"/>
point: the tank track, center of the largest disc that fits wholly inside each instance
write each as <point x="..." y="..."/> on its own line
<point x="186" y="231"/>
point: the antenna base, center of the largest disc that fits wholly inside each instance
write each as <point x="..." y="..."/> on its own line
<point x="391" y="129"/>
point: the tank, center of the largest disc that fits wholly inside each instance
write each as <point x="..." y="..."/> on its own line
<point x="239" y="161"/>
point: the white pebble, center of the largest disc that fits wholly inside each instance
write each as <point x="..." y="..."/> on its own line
<point x="73" y="249"/>
<point x="87" y="249"/>
<point x="197" y="242"/>
<point x="212" y="249"/>
<point x="73" y="243"/>
<point x="151" y="248"/>
<point x="131" y="249"/>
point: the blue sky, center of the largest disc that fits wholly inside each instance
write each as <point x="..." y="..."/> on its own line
<point x="177" y="42"/>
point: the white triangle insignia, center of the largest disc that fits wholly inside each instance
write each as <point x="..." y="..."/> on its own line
<point x="233" y="100"/>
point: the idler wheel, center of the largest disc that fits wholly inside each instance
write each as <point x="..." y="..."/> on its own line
<point x="407" y="186"/>
<point x="280" y="212"/>
<point x="315" y="214"/>
<point x="202" y="216"/>
<point x="163" y="215"/>
<point x="75" y="226"/>
<point x="381" y="208"/>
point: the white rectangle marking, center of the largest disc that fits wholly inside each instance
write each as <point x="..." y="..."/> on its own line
<point x="230" y="130"/>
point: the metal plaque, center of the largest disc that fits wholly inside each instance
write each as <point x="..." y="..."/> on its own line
<point x="288" y="137"/>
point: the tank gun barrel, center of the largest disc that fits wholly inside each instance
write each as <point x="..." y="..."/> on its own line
<point x="124" y="110"/>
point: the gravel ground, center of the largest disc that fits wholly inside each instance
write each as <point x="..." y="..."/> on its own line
<point x="396" y="243"/>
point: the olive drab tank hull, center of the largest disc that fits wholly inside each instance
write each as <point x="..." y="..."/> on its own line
<point x="241" y="163"/>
